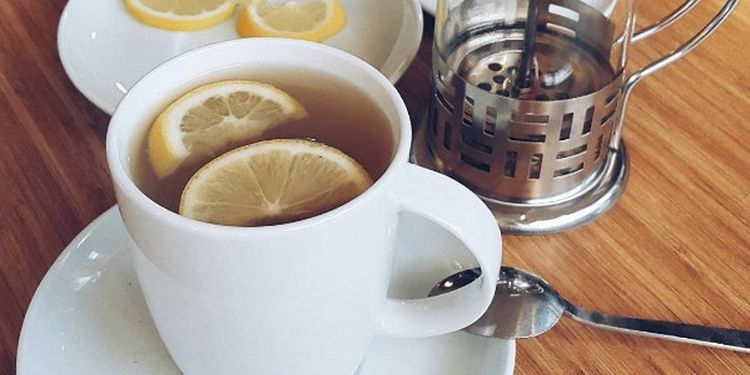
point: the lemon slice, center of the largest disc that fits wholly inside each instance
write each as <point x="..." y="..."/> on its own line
<point x="273" y="182"/>
<point x="314" y="20"/>
<point x="181" y="15"/>
<point x="215" y="118"/>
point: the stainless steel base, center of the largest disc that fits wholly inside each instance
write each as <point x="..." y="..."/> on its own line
<point x="548" y="217"/>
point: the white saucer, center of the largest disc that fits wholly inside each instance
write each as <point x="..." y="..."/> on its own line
<point x="430" y="6"/>
<point x="88" y="315"/>
<point x="105" y="51"/>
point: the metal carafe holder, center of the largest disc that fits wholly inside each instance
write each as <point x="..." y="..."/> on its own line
<point x="528" y="104"/>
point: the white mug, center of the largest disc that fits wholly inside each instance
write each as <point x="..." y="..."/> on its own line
<point x="306" y="297"/>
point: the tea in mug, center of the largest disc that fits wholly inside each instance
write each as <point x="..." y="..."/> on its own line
<point x="334" y="114"/>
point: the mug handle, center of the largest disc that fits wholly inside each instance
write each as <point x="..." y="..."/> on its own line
<point x="669" y="58"/>
<point x="444" y="201"/>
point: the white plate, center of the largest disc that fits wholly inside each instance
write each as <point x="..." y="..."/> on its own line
<point x="430" y="6"/>
<point x="88" y="315"/>
<point x="105" y="51"/>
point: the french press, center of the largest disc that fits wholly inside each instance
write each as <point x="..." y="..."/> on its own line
<point x="528" y="103"/>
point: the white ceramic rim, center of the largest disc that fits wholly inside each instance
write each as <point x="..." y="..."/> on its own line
<point x="409" y="43"/>
<point x="62" y="51"/>
<point x="121" y="176"/>
<point x="402" y="54"/>
<point x="429" y="6"/>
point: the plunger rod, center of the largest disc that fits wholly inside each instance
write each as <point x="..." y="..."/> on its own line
<point x="523" y="77"/>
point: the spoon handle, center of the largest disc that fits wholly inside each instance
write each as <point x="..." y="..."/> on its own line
<point x="722" y="338"/>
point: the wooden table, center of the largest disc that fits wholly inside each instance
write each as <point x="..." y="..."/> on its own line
<point x="676" y="247"/>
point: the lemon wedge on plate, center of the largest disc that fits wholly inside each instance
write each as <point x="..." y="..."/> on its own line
<point x="314" y="20"/>
<point x="215" y="118"/>
<point x="273" y="182"/>
<point x="180" y="15"/>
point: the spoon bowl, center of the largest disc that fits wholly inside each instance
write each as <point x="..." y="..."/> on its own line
<point x="525" y="302"/>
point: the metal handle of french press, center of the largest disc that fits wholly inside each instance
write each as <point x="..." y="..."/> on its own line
<point x="669" y="58"/>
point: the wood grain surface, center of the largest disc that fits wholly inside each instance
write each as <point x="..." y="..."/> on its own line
<point x="676" y="247"/>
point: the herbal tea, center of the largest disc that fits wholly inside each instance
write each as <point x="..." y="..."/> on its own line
<point x="337" y="115"/>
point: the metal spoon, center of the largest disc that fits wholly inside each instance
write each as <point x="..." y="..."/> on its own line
<point x="526" y="306"/>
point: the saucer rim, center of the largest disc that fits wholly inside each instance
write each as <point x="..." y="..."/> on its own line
<point x="87" y="231"/>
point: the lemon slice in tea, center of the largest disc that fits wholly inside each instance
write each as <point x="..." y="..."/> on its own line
<point x="180" y="15"/>
<point x="273" y="182"/>
<point x="314" y="20"/>
<point x="215" y="118"/>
